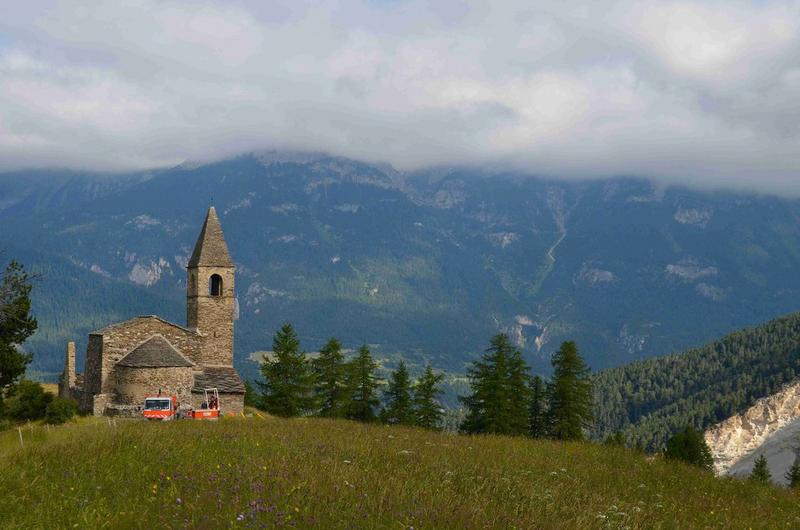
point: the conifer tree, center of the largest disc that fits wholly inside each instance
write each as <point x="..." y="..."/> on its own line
<point x="793" y="474"/>
<point x="251" y="397"/>
<point x="537" y="418"/>
<point x="690" y="447"/>
<point x="761" y="471"/>
<point x="399" y="410"/>
<point x="287" y="388"/>
<point x="330" y="380"/>
<point x="362" y="384"/>
<point x="570" y="394"/>
<point x="500" y="395"/>
<point x="427" y="410"/>
<point x="16" y="325"/>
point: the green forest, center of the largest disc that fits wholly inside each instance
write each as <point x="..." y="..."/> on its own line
<point x="650" y="400"/>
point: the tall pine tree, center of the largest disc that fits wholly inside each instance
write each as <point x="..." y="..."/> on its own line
<point x="362" y="384"/>
<point x="537" y="417"/>
<point x="761" y="471"/>
<point x="398" y="409"/>
<point x="330" y="380"/>
<point x="287" y="388"/>
<point x="427" y="410"/>
<point x="570" y="395"/>
<point x="500" y="395"/>
<point x="16" y="325"/>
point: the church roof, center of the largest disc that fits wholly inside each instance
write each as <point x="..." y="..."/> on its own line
<point x="224" y="378"/>
<point x="211" y="249"/>
<point x="137" y="320"/>
<point x="155" y="352"/>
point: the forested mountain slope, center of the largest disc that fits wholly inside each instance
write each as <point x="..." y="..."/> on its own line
<point x="649" y="400"/>
<point x="425" y="266"/>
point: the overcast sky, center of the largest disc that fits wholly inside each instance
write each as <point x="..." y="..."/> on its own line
<point x="680" y="91"/>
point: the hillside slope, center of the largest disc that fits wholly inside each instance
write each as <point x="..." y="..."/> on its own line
<point x="650" y="400"/>
<point x="338" y="474"/>
<point x="770" y="427"/>
<point x="426" y="266"/>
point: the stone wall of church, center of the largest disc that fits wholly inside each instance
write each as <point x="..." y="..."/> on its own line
<point x="133" y="384"/>
<point x="120" y="339"/>
<point x="93" y="372"/>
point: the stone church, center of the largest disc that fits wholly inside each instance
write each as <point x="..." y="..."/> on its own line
<point x="146" y="355"/>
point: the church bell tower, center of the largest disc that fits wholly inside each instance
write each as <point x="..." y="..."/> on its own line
<point x="210" y="295"/>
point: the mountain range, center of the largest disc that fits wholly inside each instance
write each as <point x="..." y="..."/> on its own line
<point x="422" y="265"/>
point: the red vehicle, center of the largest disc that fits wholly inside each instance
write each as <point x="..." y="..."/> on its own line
<point x="160" y="407"/>
<point x="209" y="410"/>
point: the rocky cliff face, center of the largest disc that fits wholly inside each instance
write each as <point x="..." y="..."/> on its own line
<point x="739" y="436"/>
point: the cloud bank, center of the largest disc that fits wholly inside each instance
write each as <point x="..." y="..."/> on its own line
<point x="704" y="93"/>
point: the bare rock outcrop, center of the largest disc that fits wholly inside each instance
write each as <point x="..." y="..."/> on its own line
<point x="740" y="435"/>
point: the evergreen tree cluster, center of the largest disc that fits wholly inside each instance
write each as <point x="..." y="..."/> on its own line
<point x="331" y="386"/>
<point x="650" y="400"/>
<point x="505" y="399"/>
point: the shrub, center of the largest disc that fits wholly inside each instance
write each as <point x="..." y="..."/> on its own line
<point x="60" y="410"/>
<point x="29" y="401"/>
<point x="690" y="447"/>
<point x="617" y="439"/>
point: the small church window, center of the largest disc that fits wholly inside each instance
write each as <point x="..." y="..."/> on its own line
<point x="215" y="285"/>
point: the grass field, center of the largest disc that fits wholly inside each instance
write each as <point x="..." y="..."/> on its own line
<point x="335" y="474"/>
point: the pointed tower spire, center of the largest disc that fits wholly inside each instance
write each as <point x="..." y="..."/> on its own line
<point x="211" y="249"/>
<point x="211" y="294"/>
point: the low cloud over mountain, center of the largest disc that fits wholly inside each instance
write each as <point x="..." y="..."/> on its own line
<point x="680" y="91"/>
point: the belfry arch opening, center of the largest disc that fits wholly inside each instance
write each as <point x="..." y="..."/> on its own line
<point x="215" y="285"/>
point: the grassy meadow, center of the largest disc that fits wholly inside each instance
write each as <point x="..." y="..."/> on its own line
<point x="262" y="472"/>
